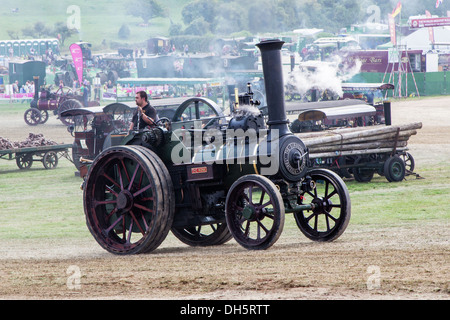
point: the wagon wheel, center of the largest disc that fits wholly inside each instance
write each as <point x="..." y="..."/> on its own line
<point x="32" y="117"/>
<point x="67" y="105"/>
<point x="332" y="211"/>
<point x="203" y="235"/>
<point x="44" y="116"/>
<point x="394" y="169"/>
<point x="24" y="160"/>
<point x="128" y="201"/>
<point x="409" y="162"/>
<point x="50" y="160"/>
<point x="362" y="174"/>
<point x="255" y="212"/>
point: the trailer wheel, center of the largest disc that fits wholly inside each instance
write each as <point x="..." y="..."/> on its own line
<point x="255" y="212"/>
<point x="362" y="174"/>
<point x="50" y="160"/>
<point x="24" y="160"/>
<point x="127" y="201"/>
<point x="409" y="162"/>
<point x="331" y="215"/>
<point x="394" y="169"/>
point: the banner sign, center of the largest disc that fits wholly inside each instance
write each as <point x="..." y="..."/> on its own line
<point x="77" y="56"/>
<point x="430" y="22"/>
<point x="430" y="29"/>
<point x="392" y="29"/>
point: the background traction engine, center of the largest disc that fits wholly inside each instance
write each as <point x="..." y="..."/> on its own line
<point x="237" y="183"/>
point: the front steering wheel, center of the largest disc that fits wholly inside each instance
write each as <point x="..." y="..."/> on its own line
<point x="164" y="122"/>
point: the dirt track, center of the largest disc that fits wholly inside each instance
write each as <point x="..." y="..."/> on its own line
<point x="406" y="261"/>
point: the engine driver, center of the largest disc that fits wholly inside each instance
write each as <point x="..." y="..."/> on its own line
<point x="145" y="114"/>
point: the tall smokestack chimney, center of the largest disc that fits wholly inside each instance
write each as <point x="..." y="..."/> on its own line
<point x="273" y="78"/>
<point x="36" y="87"/>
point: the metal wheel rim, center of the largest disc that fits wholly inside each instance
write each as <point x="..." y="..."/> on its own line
<point x="44" y="116"/>
<point x="254" y="215"/>
<point x="332" y="213"/>
<point x="122" y="208"/>
<point x="32" y="117"/>
<point x="24" y="161"/>
<point x="50" y="160"/>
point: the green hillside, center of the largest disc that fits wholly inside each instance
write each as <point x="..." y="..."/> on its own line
<point x="100" y="20"/>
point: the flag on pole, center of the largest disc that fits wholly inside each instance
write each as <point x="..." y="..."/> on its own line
<point x="77" y="56"/>
<point x="430" y="29"/>
<point x="398" y="8"/>
<point x="438" y="3"/>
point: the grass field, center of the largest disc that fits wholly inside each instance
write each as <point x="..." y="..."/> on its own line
<point x="41" y="203"/>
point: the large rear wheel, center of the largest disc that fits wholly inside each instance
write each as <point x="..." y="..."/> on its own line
<point x="127" y="201"/>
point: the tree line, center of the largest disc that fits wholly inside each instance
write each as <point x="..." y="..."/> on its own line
<point x="228" y="17"/>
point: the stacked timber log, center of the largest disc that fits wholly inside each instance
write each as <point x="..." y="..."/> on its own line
<point x="33" y="140"/>
<point x="359" y="140"/>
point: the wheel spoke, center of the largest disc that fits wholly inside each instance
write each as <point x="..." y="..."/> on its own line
<point x="125" y="169"/>
<point x="331" y="194"/>
<point x="261" y="225"/>
<point x="308" y="218"/>
<point x="263" y="193"/>
<point x="265" y="204"/>
<point x="101" y="202"/>
<point x="120" y="176"/>
<point x="111" y="179"/>
<point x="141" y="190"/>
<point x="111" y="214"/>
<point x="137" y="223"/>
<point x="247" y="228"/>
<point x="134" y="176"/>
<point x="112" y="226"/>
<point x="143" y="207"/>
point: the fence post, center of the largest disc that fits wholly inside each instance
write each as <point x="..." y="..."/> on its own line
<point x="424" y="83"/>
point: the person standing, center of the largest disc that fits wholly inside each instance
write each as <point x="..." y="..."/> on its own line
<point x="84" y="92"/>
<point x="145" y="114"/>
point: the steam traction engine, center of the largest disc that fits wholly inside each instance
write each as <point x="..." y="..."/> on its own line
<point x="59" y="101"/>
<point x="238" y="182"/>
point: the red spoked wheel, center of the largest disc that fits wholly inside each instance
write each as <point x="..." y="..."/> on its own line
<point x="32" y="117"/>
<point x="128" y="200"/>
